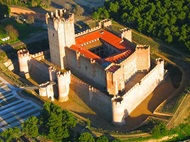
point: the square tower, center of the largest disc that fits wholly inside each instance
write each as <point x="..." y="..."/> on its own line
<point x="60" y="26"/>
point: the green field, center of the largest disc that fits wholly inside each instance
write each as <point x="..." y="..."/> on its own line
<point x="24" y="30"/>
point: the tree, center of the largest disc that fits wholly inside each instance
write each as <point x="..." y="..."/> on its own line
<point x="34" y="3"/>
<point x="30" y="127"/>
<point x="11" y="134"/>
<point x="88" y="123"/>
<point x="116" y="140"/>
<point x="12" y="32"/>
<point x="55" y="122"/>
<point x="102" y="138"/>
<point x="159" y="130"/>
<point x="4" y="10"/>
<point x="95" y="16"/>
<point x="169" y="38"/>
<point x="86" y="137"/>
<point x="45" y="3"/>
<point x="30" y="19"/>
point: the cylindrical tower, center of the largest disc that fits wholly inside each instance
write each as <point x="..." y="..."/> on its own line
<point x="42" y="90"/>
<point x="64" y="80"/>
<point x="23" y="59"/>
<point x="118" y="111"/>
<point x="50" y="92"/>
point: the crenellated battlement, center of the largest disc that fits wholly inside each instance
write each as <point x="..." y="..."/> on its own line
<point x="106" y="23"/>
<point x="89" y="42"/>
<point x="64" y="74"/>
<point x="126" y="33"/>
<point x="77" y="55"/>
<point x="92" y="89"/>
<point x="142" y="47"/>
<point x="46" y="89"/>
<point x="88" y="31"/>
<point x="92" y="61"/>
<point x="159" y="60"/>
<point x="52" y="73"/>
<point x="44" y="85"/>
<point x="23" y="53"/>
<point x="38" y="56"/>
<point x="52" y="68"/>
<point x="117" y="100"/>
<point x="64" y="80"/>
<point x="23" y="59"/>
<point x="61" y="34"/>
<point x="60" y="15"/>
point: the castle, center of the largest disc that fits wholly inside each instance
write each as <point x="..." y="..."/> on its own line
<point x="113" y="74"/>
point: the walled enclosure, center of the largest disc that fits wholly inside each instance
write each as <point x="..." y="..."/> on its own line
<point x="109" y="75"/>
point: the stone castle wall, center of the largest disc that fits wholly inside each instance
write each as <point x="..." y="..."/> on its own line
<point x="139" y="92"/>
<point x="143" y="57"/>
<point x="88" y="31"/>
<point x="23" y="59"/>
<point x="64" y="80"/>
<point x="129" y="67"/>
<point x="102" y="24"/>
<point x="38" y="71"/>
<point x="38" y="56"/>
<point x="126" y="33"/>
<point x="98" y="101"/>
<point x="60" y="26"/>
<point x="86" y="68"/>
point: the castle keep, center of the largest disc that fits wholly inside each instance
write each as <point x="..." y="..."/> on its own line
<point x="114" y="74"/>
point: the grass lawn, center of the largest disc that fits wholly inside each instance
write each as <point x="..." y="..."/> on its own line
<point x="24" y="30"/>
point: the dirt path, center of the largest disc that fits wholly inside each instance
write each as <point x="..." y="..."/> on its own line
<point x="181" y="114"/>
<point x="184" y="109"/>
<point x="147" y="107"/>
<point x="15" y="11"/>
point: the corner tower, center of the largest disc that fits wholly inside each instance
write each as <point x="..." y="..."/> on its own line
<point x="60" y="26"/>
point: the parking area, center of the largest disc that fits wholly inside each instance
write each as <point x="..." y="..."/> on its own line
<point x="14" y="110"/>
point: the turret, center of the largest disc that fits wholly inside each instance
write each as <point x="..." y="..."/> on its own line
<point x="23" y="59"/>
<point x="143" y="57"/>
<point x="64" y="79"/>
<point x="42" y="89"/>
<point x="118" y="111"/>
<point x="61" y="33"/>
<point x="46" y="90"/>
<point x="126" y="33"/>
<point x="52" y="74"/>
<point x="160" y="64"/>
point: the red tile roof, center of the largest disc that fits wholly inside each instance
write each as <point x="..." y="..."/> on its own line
<point x="104" y="35"/>
<point x="107" y="37"/>
<point x="118" y="57"/>
<point x="85" y="52"/>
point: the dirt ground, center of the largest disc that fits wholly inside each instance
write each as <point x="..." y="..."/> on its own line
<point x="16" y="11"/>
<point x="145" y="109"/>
